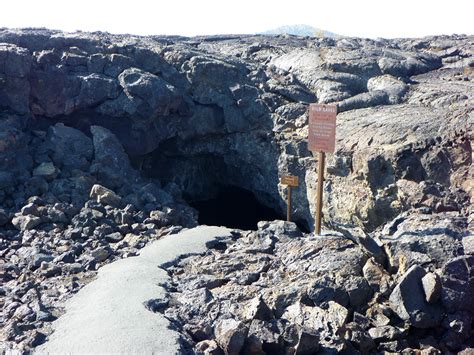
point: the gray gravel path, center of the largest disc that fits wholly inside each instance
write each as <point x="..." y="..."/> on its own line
<point x="108" y="315"/>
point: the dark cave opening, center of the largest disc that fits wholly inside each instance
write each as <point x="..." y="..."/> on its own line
<point x="218" y="185"/>
<point x="234" y="207"/>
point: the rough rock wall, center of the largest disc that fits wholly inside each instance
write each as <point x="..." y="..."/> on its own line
<point x="232" y="110"/>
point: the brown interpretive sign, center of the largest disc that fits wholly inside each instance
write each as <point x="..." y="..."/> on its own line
<point x="321" y="139"/>
<point x="289" y="180"/>
<point x="322" y="128"/>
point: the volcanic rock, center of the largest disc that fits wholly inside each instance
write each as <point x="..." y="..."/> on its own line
<point x="408" y="300"/>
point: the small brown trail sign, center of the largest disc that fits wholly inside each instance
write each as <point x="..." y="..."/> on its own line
<point x="321" y="139"/>
<point x="290" y="181"/>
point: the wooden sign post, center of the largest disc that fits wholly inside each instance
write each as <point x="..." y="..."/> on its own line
<point x="290" y="181"/>
<point x="321" y="139"/>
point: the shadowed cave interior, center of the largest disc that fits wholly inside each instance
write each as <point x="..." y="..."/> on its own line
<point x="233" y="207"/>
<point x="213" y="186"/>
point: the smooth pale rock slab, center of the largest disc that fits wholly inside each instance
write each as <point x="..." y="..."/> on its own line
<point x="109" y="314"/>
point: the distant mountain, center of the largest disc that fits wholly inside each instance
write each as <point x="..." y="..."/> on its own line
<point x="300" y="30"/>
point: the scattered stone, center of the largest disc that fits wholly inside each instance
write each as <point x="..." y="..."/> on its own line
<point x="376" y="276"/>
<point x="308" y="343"/>
<point x="157" y="304"/>
<point x="432" y="287"/>
<point x="38" y="258"/>
<point x="114" y="237"/>
<point x="30" y="209"/>
<point x="324" y="290"/>
<point x="257" y="309"/>
<point x="386" y="333"/>
<point x="50" y="270"/>
<point x="358" y="290"/>
<point x="100" y="254"/>
<point x="263" y="337"/>
<point x="105" y="196"/>
<point x="46" y="170"/>
<point x="26" y="222"/>
<point x="409" y="302"/>
<point x="208" y="347"/>
<point x="66" y="257"/>
<point x="230" y="335"/>
<point x="379" y="315"/>
<point x="74" y="268"/>
<point x="359" y="338"/>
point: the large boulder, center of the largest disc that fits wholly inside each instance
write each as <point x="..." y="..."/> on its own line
<point x="15" y="159"/>
<point x="105" y="196"/>
<point x="111" y="164"/>
<point x="230" y="335"/>
<point x="25" y="222"/>
<point x="53" y="92"/>
<point x="458" y="284"/>
<point x="15" y="65"/>
<point x="414" y="238"/>
<point x="409" y="302"/>
<point x="394" y="87"/>
<point x="317" y="321"/>
<point x="68" y="147"/>
<point x="95" y="89"/>
<point x="46" y="170"/>
<point x="144" y="95"/>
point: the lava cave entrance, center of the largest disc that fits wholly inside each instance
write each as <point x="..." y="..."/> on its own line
<point x="233" y="207"/>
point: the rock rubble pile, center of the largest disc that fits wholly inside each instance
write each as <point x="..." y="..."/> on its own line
<point x="277" y="291"/>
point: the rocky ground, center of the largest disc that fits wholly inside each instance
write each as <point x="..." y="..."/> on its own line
<point x="408" y="287"/>
<point x="55" y="243"/>
<point x="104" y="139"/>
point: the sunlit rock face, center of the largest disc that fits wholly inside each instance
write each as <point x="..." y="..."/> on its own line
<point x="233" y="110"/>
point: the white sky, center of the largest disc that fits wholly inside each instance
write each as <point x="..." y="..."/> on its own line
<point x="363" y="18"/>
